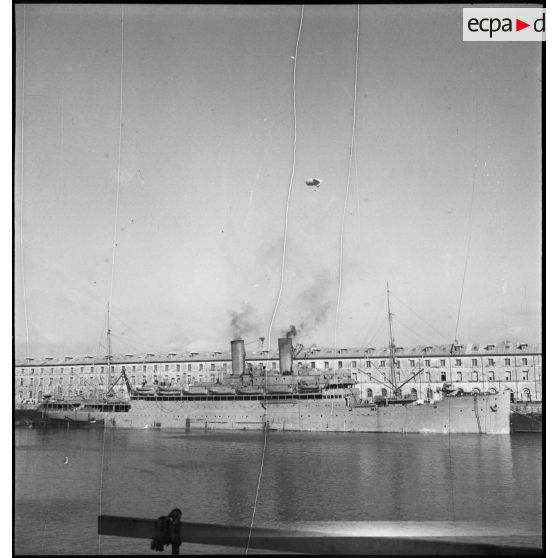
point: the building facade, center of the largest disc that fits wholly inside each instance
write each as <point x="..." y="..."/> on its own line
<point x="422" y="370"/>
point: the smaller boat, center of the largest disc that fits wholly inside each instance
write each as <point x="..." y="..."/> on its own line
<point x="306" y="387"/>
<point x="222" y="390"/>
<point x="169" y="390"/>
<point x="250" y="390"/>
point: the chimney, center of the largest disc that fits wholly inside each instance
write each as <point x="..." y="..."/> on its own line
<point x="238" y="355"/>
<point x="286" y="355"/>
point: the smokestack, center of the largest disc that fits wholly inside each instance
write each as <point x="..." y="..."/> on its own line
<point x="238" y="355"/>
<point x="286" y="355"/>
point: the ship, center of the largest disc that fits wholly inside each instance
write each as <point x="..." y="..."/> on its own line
<point x="286" y="401"/>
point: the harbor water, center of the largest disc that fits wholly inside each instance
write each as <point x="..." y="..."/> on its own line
<point x="212" y="477"/>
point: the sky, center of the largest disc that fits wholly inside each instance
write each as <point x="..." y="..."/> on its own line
<point x="444" y="193"/>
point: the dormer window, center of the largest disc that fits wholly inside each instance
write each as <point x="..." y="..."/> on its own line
<point x="193" y="354"/>
<point x="490" y="347"/>
<point x="150" y="354"/>
<point x="522" y="346"/>
<point x="129" y="355"/>
<point x="171" y="354"/>
<point x="68" y="358"/>
<point x="29" y="358"/>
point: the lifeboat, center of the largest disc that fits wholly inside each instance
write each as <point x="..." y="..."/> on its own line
<point x="222" y="390"/>
<point x="249" y="390"/>
<point x="169" y="390"/>
<point x="305" y="387"/>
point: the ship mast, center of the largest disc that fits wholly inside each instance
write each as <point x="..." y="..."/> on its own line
<point x="391" y="348"/>
<point x="108" y="345"/>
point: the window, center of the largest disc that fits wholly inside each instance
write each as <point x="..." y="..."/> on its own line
<point x="442" y="376"/>
<point x="81" y="381"/>
<point x="155" y="367"/>
<point x="490" y="362"/>
<point x="212" y="366"/>
<point x="382" y="363"/>
<point x="524" y="361"/>
<point x="50" y="381"/>
<point x="133" y="380"/>
<point x="32" y="371"/>
<point x="474" y="362"/>
<point x="81" y="370"/>
<point x="398" y="376"/>
<point x="428" y="376"/>
<point x="145" y="367"/>
<point x="21" y="381"/>
<point x="101" y="381"/>
<point x="427" y="362"/>
<point x="459" y="377"/>
<point x="368" y="364"/>
<point x="212" y="378"/>
<point x="71" y="380"/>
<point x="189" y="368"/>
<point x="313" y="364"/>
<point x="91" y="379"/>
<point x="442" y="362"/>
<point x="475" y="376"/>
<point x="178" y="367"/>
<point x="111" y="369"/>
<point x="91" y="369"/>
<point x="274" y="366"/>
<point x="326" y="364"/>
<point x="134" y="368"/>
<point x="340" y="364"/>
<point x="200" y="366"/>
<point x="369" y="393"/>
<point x="60" y="380"/>
<point x="354" y="364"/>
<point x="102" y="369"/>
<point x="507" y="362"/>
<point x="507" y="375"/>
<point x="525" y="375"/>
<point x="166" y="367"/>
<point x="189" y="379"/>
<point x="412" y="363"/>
<point x="458" y="362"/>
<point x="491" y="376"/>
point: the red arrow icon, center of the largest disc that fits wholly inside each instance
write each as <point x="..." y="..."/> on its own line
<point x="519" y="25"/>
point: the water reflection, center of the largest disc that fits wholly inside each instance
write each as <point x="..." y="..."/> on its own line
<point x="212" y="477"/>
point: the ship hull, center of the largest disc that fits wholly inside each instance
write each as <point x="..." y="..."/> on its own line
<point x="488" y="414"/>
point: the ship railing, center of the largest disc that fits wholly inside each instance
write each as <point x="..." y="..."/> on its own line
<point x="326" y="538"/>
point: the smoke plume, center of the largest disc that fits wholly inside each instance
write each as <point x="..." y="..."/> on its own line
<point x="244" y="323"/>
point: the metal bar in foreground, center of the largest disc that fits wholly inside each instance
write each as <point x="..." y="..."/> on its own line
<point x="308" y="541"/>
